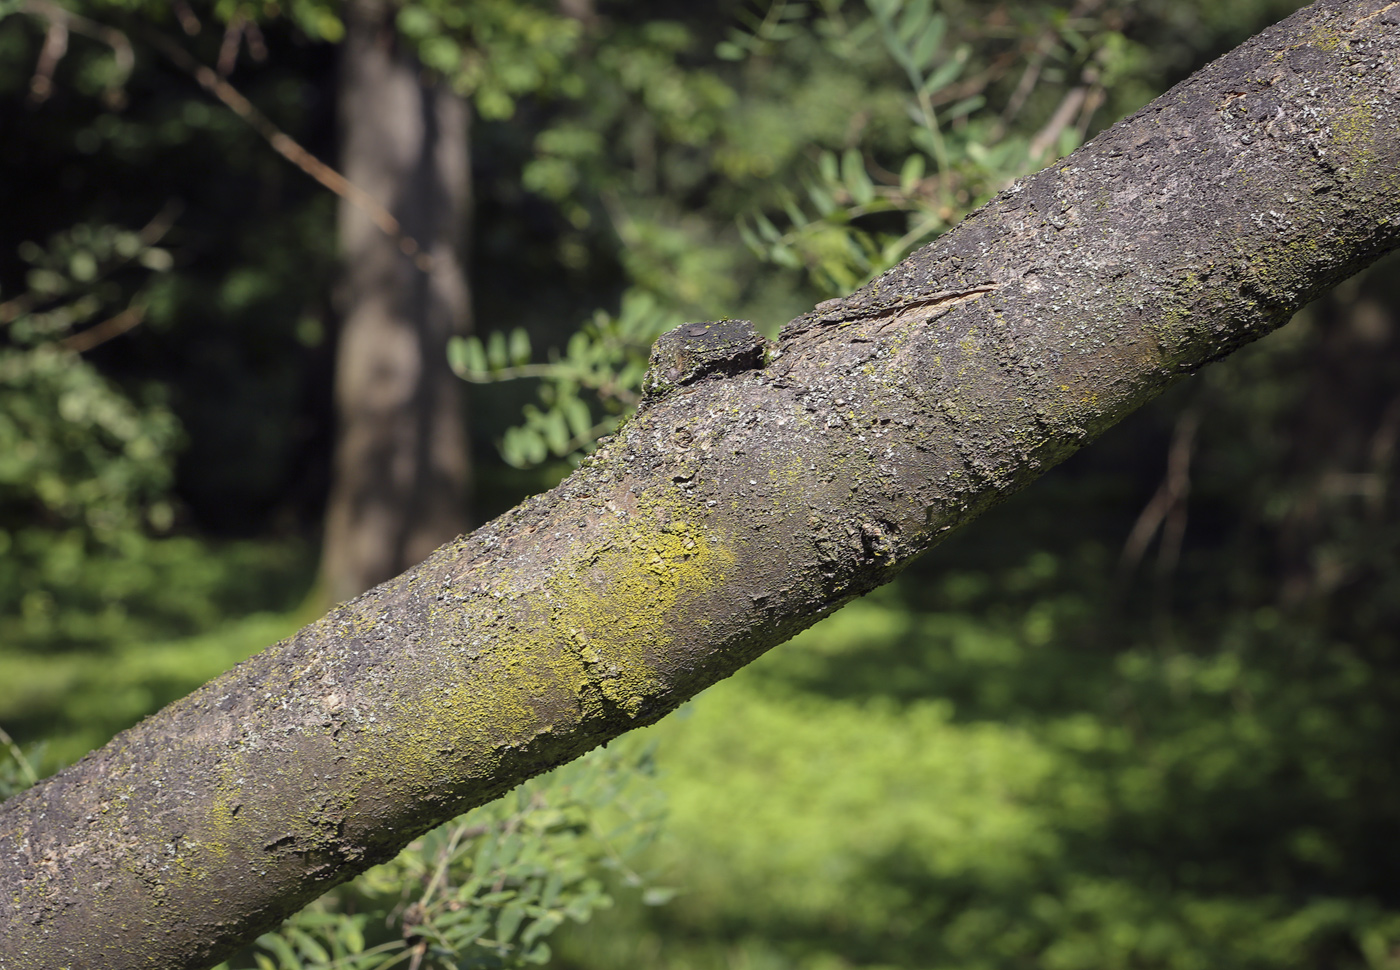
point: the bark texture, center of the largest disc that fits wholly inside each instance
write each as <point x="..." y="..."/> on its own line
<point x="740" y="504"/>
<point x="400" y="469"/>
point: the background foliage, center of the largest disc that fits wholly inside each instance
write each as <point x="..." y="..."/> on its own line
<point x="1143" y="716"/>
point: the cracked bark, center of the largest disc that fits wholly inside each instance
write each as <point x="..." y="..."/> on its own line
<point x="730" y="513"/>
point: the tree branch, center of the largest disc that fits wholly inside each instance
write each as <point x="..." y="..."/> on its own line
<point x="730" y="513"/>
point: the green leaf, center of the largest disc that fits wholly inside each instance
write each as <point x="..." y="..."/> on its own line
<point x="494" y="103"/>
<point x="766" y="228"/>
<point x="856" y="179"/>
<point x="508" y="849"/>
<point x="308" y="944"/>
<point x="750" y="240"/>
<point x="822" y="200"/>
<point x="577" y="414"/>
<point x="658" y="895"/>
<point x="519" y="347"/>
<point x="543" y="924"/>
<point x="553" y="177"/>
<point x="352" y="936"/>
<point x="46" y="282"/>
<point x="785" y="256"/>
<point x="578" y="347"/>
<point x="476" y="356"/>
<point x="913" y="19"/>
<point x="942" y="77"/>
<point x="911" y="174"/>
<point x="927" y="44"/>
<point x="924" y="139"/>
<point x="795" y="213"/>
<point x="467" y="358"/>
<point x="417" y="22"/>
<point x="440" y="53"/>
<point x="512" y="914"/>
<point x="82" y="266"/>
<point x="523" y="448"/>
<point x="570" y="141"/>
<point x="330" y="27"/>
<point x="287" y="957"/>
<point x="964" y="107"/>
<point x="556" y="435"/>
<point x="457" y="356"/>
<point x="497" y="356"/>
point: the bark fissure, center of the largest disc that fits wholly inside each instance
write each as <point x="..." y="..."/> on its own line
<point x="730" y="513"/>
<point x="843" y="310"/>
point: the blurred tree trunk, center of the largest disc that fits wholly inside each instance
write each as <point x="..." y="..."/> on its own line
<point x="400" y="473"/>
<point x="1342" y="444"/>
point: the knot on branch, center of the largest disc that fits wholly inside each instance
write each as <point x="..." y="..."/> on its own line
<point x="695" y="350"/>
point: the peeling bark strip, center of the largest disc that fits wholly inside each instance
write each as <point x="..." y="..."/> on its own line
<point x="732" y="512"/>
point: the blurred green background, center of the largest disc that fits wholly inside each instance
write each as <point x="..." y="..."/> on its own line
<point x="1143" y="715"/>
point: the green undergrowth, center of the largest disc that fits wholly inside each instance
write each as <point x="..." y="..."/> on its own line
<point x="187" y="611"/>
<point x="992" y="785"/>
<point x="490" y="888"/>
<point x="86" y="696"/>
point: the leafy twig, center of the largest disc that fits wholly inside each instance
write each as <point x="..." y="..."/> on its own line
<point x="25" y="767"/>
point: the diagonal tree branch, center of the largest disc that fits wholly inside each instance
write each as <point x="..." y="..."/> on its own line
<point x="758" y="488"/>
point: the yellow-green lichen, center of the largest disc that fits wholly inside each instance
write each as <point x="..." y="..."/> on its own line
<point x="619" y="602"/>
<point x="1354" y="133"/>
<point x="223" y="811"/>
<point x="1323" y="38"/>
<point x="585" y="637"/>
<point x="791" y="474"/>
<point x="467" y="712"/>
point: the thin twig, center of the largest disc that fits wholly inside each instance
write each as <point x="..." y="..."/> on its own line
<point x="161" y="223"/>
<point x="189" y="23"/>
<point x="228" y="47"/>
<point x="1383" y="452"/>
<point x="253" y="38"/>
<point x="1092" y="103"/>
<point x="1045" y="139"/>
<point x="56" y="44"/>
<point x="288" y="148"/>
<point x="25" y="767"/>
<point x="1045" y="45"/>
<point x="1167" y="508"/>
<point x="977" y="84"/>
<point x="99" y="334"/>
<point x="1029" y="77"/>
<point x="1144" y="529"/>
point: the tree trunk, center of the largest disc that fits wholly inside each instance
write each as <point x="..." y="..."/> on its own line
<point x="400" y="470"/>
<point x="757" y="489"/>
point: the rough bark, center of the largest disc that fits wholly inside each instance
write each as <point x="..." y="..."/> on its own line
<point x="747" y="498"/>
<point x="400" y="468"/>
